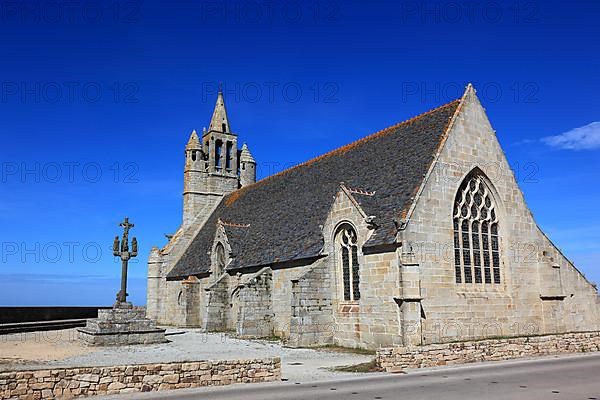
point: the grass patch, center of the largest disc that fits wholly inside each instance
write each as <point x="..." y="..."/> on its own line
<point x="340" y="349"/>
<point x="367" y="367"/>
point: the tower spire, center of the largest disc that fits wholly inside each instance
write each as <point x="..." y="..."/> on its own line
<point x="219" y="121"/>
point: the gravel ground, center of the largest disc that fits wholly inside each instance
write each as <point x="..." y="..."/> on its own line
<point x="61" y="349"/>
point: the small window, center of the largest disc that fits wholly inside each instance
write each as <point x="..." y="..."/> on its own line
<point x="224" y="127"/>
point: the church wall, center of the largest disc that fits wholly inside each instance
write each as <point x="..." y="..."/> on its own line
<point x="153" y="293"/>
<point x="467" y="311"/>
<point x="581" y="305"/>
<point x="180" y="303"/>
<point x="183" y="303"/>
<point x="380" y="317"/>
<point x="173" y="312"/>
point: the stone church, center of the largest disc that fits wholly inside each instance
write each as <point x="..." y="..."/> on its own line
<point x="413" y="235"/>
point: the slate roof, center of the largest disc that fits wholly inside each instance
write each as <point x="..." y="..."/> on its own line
<point x="285" y="212"/>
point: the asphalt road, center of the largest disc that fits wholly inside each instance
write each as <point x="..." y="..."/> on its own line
<point x="572" y="378"/>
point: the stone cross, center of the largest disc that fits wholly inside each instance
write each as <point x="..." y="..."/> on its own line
<point x="124" y="253"/>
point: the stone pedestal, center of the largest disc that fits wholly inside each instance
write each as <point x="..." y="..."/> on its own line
<point x="124" y="324"/>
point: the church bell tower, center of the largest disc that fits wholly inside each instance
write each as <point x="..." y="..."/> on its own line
<point x="211" y="165"/>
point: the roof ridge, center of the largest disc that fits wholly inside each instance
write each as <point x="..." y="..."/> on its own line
<point x="232" y="197"/>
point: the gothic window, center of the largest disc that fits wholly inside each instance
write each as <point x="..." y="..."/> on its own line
<point x="219" y="260"/>
<point x="476" y="243"/>
<point x="346" y="243"/>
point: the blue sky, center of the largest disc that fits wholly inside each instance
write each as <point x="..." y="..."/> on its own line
<point x="97" y="100"/>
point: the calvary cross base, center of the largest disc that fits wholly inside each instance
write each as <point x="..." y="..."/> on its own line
<point x="124" y="323"/>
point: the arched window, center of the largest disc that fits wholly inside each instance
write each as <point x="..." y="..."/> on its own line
<point x="347" y="248"/>
<point x="219" y="260"/>
<point x="476" y="247"/>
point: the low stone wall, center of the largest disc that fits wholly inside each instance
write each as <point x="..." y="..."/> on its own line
<point x="89" y="381"/>
<point x="10" y="315"/>
<point x="395" y="359"/>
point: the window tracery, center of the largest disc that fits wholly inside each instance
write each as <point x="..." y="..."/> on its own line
<point x="476" y="241"/>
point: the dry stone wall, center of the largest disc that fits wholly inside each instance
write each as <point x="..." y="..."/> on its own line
<point x="78" y="382"/>
<point x="395" y="359"/>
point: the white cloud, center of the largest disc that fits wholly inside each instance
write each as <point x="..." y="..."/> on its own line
<point x="584" y="138"/>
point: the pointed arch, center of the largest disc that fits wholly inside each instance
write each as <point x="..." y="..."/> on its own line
<point x="476" y="240"/>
